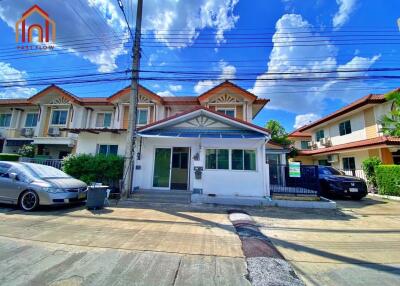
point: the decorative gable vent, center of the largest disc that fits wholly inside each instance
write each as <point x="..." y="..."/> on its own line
<point x="201" y="122"/>
<point x="59" y="100"/>
<point x="226" y="98"/>
<point x="143" y="99"/>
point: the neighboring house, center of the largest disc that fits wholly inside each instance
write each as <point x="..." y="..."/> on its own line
<point x="348" y="136"/>
<point x="177" y="136"/>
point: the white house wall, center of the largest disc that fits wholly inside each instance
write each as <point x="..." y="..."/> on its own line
<point x="218" y="182"/>
<point x="87" y="143"/>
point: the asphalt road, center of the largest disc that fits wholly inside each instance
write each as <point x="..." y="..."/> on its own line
<point x="136" y="245"/>
<point x="357" y="244"/>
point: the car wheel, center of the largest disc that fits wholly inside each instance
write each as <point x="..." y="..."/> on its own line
<point x="29" y="201"/>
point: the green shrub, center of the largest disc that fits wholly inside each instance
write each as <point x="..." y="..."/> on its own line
<point x="369" y="165"/>
<point x="106" y="169"/>
<point x="27" y="151"/>
<point x="9" y="157"/>
<point x="388" y="179"/>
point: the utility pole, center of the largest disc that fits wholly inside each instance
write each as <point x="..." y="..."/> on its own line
<point x="129" y="164"/>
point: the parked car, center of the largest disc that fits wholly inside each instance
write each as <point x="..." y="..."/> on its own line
<point x="30" y="185"/>
<point x="335" y="183"/>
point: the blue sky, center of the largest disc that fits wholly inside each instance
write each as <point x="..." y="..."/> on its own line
<point x="261" y="45"/>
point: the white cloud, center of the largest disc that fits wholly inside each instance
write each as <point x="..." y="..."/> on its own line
<point x="177" y="87"/>
<point x="165" y="93"/>
<point x="87" y="28"/>
<point x="302" y="97"/>
<point x="228" y="72"/>
<point x="346" y="7"/>
<point x="17" y="89"/>
<point x="303" y="119"/>
<point x="185" y="19"/>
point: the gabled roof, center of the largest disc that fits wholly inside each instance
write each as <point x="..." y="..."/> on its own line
<point x="142" y="90"/>
<point x="230" y="85"/>
<point x="50" y="88"/>
<point x="202" y="108"/>
<point x="383" y="140"/>
<point x="368" y="99"/>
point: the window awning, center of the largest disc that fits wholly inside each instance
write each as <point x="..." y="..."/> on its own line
<point x="19" y="142"/>
<point x="192" y="133"/>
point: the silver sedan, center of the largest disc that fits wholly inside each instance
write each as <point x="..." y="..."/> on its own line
<point x="30" y="185"/>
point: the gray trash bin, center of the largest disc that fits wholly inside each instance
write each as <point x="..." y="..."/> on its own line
<point x="96" y="196"/>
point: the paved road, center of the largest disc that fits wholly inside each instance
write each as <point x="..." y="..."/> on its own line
<point x="155" y="245"/>
<point x="358" y="244"/>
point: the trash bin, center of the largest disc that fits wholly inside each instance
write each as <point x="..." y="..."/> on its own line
<point x="96" y="196"/>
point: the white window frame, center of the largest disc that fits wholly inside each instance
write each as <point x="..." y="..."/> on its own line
<point x="230" y="158"/>
<point x="103" y="112"/>
<point x="223" y="109"/>
<point x="51" y="117"/>
<point x="216" y="169"/>
<point x="26" y="118"/>
<point x="148" y="116"/>
<point x="6" y="113"/>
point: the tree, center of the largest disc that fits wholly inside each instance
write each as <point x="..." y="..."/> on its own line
<point x="391" y="122"/>
<point x="27" y="151"/>
<point x="278" y="132"/>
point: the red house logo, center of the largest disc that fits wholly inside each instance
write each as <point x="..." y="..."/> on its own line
<point x="27" y="32"/>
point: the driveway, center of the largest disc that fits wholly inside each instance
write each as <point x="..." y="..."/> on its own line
<point x="358" y="244"/>
<point x="132" y="245"/>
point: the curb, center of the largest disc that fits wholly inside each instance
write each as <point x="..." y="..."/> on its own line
<point x="392" y="198"/>
<point x="265" y="264"/>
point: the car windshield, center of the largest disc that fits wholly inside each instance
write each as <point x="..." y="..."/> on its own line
<point x="328" y="171"/>
<point x="43" y="171"/>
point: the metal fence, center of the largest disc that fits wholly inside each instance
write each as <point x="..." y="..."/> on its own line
<point x="355" y="173"/>
<point x="281" y="183"/>
<point x="56" y="163"/>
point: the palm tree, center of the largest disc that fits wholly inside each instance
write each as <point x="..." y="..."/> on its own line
<point x="391" y="122"/>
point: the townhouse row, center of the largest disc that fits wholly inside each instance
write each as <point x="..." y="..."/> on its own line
<point x="348" y="136"/>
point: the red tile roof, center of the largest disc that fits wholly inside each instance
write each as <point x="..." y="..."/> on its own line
<point x="299" y="134"/>
<point x="383" y="140"/>
<point x="368" y="99"/>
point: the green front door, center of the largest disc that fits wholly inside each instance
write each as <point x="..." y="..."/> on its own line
<point x="162" y="168"/>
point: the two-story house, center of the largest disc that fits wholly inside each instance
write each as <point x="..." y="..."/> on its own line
<point x="348" y="136"/>
<point x="206" y="144"/>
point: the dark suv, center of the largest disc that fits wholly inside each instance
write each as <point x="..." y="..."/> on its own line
<point x="335" y="183"/>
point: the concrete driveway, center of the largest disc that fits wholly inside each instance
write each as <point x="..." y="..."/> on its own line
<point x="135" y="245"/>
<point x="358" y="244"/>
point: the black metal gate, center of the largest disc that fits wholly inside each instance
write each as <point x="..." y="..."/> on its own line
<point x="282" y="183"/>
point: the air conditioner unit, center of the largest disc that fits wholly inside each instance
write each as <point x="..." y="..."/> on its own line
<point x="325" y="141"/>
<point x="54" y="131"/>
<point x="333" y="158"/>
<point x="27" y="132"/>
<point x="312" y="144"/>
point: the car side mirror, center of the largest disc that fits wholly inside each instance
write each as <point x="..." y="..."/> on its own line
<point x="13" y="176"/>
